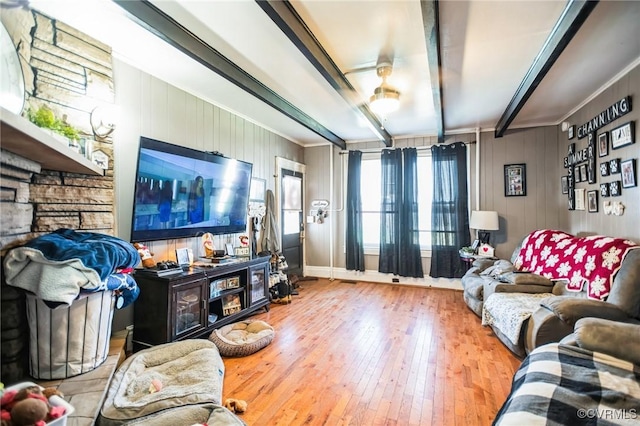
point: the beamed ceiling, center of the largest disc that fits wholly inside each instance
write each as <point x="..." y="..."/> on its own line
<point x="306" y="69"/>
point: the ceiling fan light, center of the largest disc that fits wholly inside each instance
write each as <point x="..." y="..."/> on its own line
<point x="384" y="100"/>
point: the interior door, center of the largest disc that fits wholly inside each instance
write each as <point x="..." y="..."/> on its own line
<point x="291" y="202"/>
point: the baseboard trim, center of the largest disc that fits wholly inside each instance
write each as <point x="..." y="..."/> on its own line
<point x="378" y="277"/>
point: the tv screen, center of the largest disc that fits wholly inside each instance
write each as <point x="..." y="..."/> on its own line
<point x="182" y="192"/>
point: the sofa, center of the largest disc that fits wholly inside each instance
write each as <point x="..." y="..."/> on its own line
<point x="591" y="377"/>
<point x="552" y="280"/>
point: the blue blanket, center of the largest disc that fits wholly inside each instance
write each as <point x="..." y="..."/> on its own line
<point x="57" y="266"/>
<point x="103" y="253"/>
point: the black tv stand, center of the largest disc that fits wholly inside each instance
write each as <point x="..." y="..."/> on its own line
<point x="194" y="302"/>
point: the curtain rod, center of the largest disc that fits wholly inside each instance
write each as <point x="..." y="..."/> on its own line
<point x="418" y="148"/>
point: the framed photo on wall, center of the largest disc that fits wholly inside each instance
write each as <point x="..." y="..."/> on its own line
<point x="564" y="181"/>
<point x="592" y="201"/>
<point x="622" y="135"/>
<point x="614" y="188"/>
<point x="614" y="166"/>
<point x="515" y="180"/>
<point x="604" y="189"/>
<point x="579" y="197"/>
<point x="571" y="132"/>
<point x="603" y="144"/>
<point x="604" y="168"/>
<point x="257" y="190"/>
<point x="628" y="170"/>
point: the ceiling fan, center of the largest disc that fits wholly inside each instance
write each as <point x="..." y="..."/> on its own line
<point x="385" y="98"/>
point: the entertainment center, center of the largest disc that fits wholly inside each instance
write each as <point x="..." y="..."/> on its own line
<point x="181" y="192"/>
<point x="192" y="303"/>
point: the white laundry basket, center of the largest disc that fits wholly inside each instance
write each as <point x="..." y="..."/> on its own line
<point x="68" y="341"/>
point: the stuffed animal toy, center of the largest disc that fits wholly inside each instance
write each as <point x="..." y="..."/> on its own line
<point x="29" y="406"/>
<point x="145" y="255"/>
<point x="207" y="244"/>
<point x="155" y="386"/>
<point x="235" y="405"/>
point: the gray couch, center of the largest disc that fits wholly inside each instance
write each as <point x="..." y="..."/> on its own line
<point x="496" y="275"/>
<point x="555" y="316"/>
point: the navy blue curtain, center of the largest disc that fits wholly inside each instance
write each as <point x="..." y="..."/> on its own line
<point x="449" y="210"/>
<point x="354" y="248"/>
<point x="399" y="237"/>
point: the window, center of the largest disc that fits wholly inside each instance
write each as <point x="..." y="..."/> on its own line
<point x="370" y="188"/>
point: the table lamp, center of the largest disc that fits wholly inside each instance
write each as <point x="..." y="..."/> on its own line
<point x="484" y="221"/>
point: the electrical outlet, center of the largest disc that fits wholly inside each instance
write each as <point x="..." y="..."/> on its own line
<point x="395" y="280"/>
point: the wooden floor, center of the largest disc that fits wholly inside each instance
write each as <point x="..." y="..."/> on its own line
<point x="372" y="354"/>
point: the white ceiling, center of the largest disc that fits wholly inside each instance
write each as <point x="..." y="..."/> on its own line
<point x="486" y="49"/>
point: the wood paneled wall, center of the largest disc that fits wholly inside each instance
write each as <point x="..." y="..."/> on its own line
<point x="583" y="222"/>
<point x="151" y="107"/>
<point x="542" y="206"/>
<point x="542" y="149"/>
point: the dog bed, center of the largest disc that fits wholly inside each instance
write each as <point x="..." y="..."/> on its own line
<point x="242" y="338"/>
<point x="190" y="372"/>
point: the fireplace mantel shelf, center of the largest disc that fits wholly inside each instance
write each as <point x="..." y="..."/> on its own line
<point x="27" y="140"/>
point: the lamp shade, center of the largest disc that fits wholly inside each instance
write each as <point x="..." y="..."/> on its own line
<point x="385" y="100"/>
<point x="484" y="220"/>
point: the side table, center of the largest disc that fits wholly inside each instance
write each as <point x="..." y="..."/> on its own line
<point x="467" y="260"/>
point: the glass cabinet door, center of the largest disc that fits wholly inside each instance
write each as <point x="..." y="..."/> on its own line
<point x="188" y="308"/>
<point x="258" y="284"/>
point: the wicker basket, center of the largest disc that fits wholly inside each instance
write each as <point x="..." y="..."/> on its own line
<point x="230" y="348"/>
<point x="68" y="341"/>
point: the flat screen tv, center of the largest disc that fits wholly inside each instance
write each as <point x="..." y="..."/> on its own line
<point x="182" y="192"/>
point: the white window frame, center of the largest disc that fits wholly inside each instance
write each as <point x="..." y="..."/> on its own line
<point x="373" y="249"/>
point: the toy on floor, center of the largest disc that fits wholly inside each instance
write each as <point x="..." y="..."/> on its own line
<point x="156" y="386"/>
<point x="29" y="406"/>
<point x="235" y="405"/>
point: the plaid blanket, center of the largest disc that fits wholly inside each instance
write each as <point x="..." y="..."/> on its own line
<point x="566" y="385"/>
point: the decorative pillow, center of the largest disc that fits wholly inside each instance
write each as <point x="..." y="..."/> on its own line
<point x="499" y="267"/>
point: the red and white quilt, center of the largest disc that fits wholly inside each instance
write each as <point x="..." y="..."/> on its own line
<point x="592" y="261"/>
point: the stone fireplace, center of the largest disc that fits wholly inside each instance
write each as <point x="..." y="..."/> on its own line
<point x="70" y="73"/>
